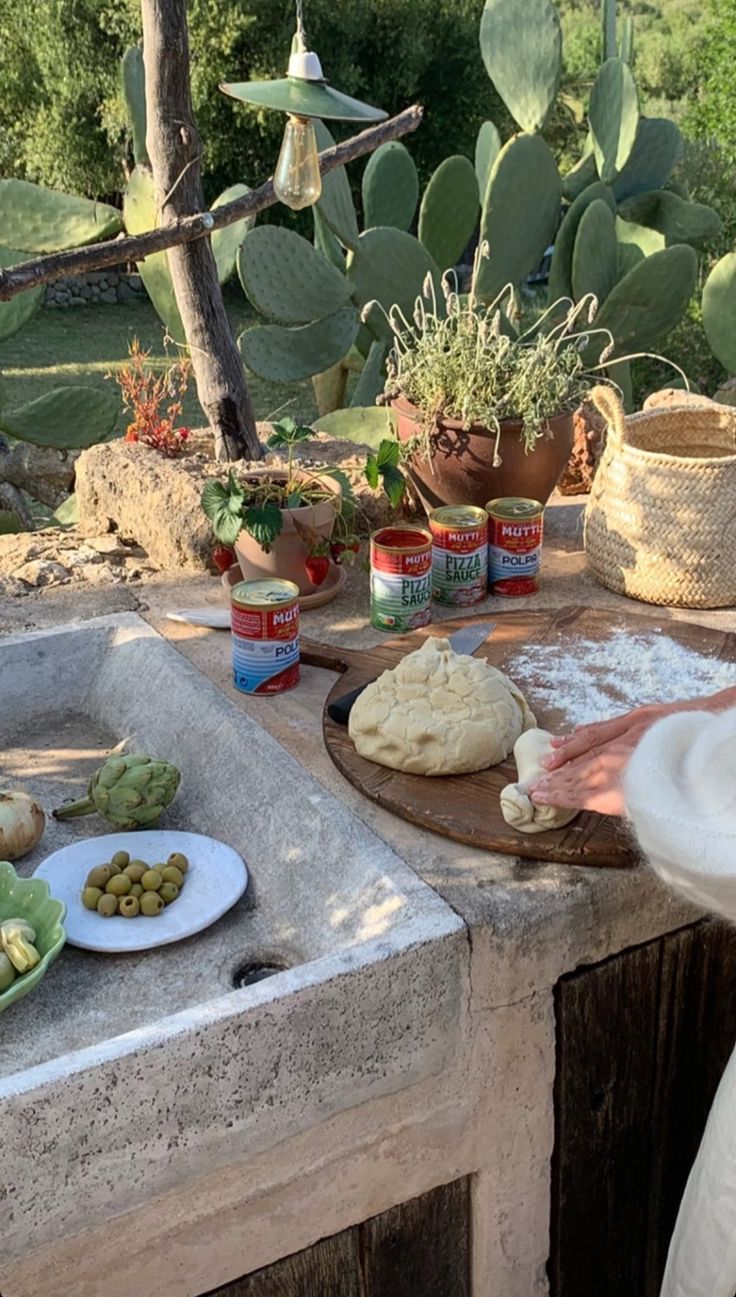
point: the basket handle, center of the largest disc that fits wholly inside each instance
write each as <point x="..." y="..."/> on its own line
<point x="608" y="402"/>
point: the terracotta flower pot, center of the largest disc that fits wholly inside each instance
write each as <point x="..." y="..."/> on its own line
<point x="288" y="555"/>
<point x="460" y="469"/>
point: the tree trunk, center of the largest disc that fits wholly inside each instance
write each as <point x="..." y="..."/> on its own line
<point x="174" y="148"/>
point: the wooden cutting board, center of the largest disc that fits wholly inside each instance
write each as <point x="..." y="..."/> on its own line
<point x="466" y="807"/>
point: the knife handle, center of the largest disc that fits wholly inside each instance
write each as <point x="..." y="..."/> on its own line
<point x="340" y="710"/>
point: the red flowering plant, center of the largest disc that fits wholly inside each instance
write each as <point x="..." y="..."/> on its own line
<point x="145" y="392"/>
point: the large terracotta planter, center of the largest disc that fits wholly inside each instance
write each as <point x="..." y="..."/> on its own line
<point x="288" y="554"/>
<point x="460" y="469"/>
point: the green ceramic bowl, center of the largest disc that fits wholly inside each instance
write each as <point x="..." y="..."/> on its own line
<point x="30" y="898"/>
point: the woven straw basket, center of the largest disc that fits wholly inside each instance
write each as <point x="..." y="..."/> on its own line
<point x="660" y="524"/>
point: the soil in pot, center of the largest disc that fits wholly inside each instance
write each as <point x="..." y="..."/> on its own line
<point x="287" y="556"/>
<point x="459" y="469"/>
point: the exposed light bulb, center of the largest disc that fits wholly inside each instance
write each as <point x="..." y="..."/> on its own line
<point x="296" y="180"/>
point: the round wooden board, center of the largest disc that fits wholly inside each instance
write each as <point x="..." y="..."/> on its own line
<point x="467" y="807"/>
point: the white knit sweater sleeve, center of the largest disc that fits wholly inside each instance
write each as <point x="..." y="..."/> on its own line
<point x="680" y="794"/>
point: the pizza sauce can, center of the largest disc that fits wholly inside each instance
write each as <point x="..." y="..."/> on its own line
<point x="459" y="554"/>
<point x="401" y="578"/>
<point x="514" y="545"/>
<point x="265" y="636"/>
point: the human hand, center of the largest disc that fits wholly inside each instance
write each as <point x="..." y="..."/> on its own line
<point x="592" y="782"/>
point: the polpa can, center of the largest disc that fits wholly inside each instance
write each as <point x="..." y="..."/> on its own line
<point x="265" y="636"/>
<point x="459" y="554"/>
<point x="514" y="546"/>
<point x="401" y="578"/>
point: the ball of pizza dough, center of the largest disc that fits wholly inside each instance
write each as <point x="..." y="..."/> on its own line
<point x="439" y="713"/>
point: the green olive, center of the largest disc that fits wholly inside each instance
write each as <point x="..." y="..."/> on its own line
<point x="173" y="875"/>
<point x="168" y="892"/>
<point x="90" y="897"/>
<point x="136" y="890"/>
<point x="135" y="870"/>
<point x="99" y="876"/>
<point x="121" y="859"/>
<point x="151" y="880"/>
<point x="151" y="904"/>
<point x="114" y="869"/>
<point x="129" y="906"/>
<point x="119" y="885"/>
<point x="107" y="905"/>
<point x="179" y="861"/>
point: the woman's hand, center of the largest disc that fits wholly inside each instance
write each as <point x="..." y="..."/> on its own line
<point x="592" y="782"/>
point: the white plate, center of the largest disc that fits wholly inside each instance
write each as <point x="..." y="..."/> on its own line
<point x="198" y="905"/>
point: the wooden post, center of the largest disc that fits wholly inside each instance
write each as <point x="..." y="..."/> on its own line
<point x="175" y="150"/>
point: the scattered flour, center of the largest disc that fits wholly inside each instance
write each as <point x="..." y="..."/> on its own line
<point x="592" y="680"/>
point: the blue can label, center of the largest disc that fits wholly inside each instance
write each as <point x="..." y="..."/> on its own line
<point x="265" y="666"/>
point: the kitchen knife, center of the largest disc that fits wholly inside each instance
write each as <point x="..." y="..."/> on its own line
<point x="465" y="640"/>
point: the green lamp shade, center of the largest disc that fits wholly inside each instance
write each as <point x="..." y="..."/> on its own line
<point x="303" y="98"/>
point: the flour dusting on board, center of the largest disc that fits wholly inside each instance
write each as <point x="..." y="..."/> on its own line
<point x="592" y="680"/>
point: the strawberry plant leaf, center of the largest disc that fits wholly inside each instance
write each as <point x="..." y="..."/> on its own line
<point x="371" y="471"/>
<point x="287" y="432"/>
<point x="264" y="523"/>
<point x="393" y="483"/>
<point x="223" y="505"/>
<point x="388" y="454"/>
<point x="294" y="501"/>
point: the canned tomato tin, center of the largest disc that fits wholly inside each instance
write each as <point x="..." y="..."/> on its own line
<point x="401" y="578"/>
<point x="459" y="554"/>
<point x="514" y="546"/>
<point x="265" y="636"/>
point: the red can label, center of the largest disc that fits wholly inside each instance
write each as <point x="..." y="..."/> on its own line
<point x="265" y="644"/>
<point x="514" y="553"/>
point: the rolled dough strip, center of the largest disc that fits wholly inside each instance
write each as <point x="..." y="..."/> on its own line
<point x="517" y="808"/>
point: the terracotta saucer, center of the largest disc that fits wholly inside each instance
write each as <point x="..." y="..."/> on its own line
<point x="333" y="583"/>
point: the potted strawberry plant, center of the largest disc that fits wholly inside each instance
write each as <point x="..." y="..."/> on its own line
<point x="293" y="522"/>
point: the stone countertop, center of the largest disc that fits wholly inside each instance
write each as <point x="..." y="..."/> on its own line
<point x="576" y="914"/>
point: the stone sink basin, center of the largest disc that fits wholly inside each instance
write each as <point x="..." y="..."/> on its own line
<point x="122" y="1076"/>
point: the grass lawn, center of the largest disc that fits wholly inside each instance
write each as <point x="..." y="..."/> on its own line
<point x="83" y="345"/>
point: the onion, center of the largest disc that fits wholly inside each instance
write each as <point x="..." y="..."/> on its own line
<point x="22" y="823"/>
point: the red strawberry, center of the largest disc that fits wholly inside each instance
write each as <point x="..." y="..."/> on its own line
<point x="317" y="565"/>
<point x="223" y="557"/>
<point x="339" y="548"/>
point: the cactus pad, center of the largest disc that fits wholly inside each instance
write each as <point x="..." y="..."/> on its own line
<point x="487" y="149"/>
<point x="560" y="273"/>
<point x="44" y="220"/>
<point x="287" y="279"/>
<point x="719" y="311"/>
<point x="390" y="267"/>
<point x="608" y="29"/>
<point x="520" y="215"/>
<point x="583" y="174"/>
<point x="226" y="241"/>
<point x="679" y="220"/>
<point x="139" y="209"/>
<point x="635" y="242"/>
<point x="373" y="376"/>
<point x="614" y="118"/>
<point x="18" y="311"/>
<point x="449" y="211"/>
<point x="133" y="79"/>
<point x="325" y="241"/>
<point x="657" y="150"/>
<point x="285" y="355"/>
<point x="336" y="203"/>
<point x="521" y="44"/>
<point x="390" y="187"/>
<point x="367" y="425"/>
<point x="595" y="255"/>
<point x="68" y="418"/>
<point x="650" y="300"/>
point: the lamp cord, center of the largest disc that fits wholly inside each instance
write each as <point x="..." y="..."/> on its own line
<point x="300" y="33"/>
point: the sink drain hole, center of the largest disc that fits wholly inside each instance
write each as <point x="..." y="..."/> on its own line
<point x="256" y="971"/>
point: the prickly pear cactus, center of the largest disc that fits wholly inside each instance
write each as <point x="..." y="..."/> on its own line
<point x="288" y="279"/>
<point x="336" y="203"/>
<point x="390" y="267"/>
<point x="635" y="242"/>
<point x="226" y="242"/>
<point x="44" y="220"/>
<point x="521" y="44"/>
<point x="371" y="381"/>
<point x="390" y="187"/>
<point x="719" y="311"/>
<point x="367" y="425"/>
<point x="449" y="211"/>
<point x="614" y="118"/>
<point x="282" y="355"/>
<point x="678" y="219"/>
<point x="133" y="80"/>
<point x="650" y="300"/>
<point x="520" y="215"/>
<point x="595" y="255"/>
<point x="18" y="311"/>
<point x="560" y="273"/>
<point x="487" y="149"/>
<point x="139" y="209"/>
<point x="657" y="150"/>
<point x="69" y="418"/>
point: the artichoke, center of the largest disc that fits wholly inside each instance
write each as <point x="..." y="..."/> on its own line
<point x="130" y="791"/>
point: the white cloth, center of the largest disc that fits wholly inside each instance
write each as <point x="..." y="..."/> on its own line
<point x="680" y="792"/>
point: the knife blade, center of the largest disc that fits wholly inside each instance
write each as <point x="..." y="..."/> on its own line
<point x="466" y="640"/>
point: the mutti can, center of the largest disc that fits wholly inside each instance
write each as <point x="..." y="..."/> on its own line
<point x="459" y="554"/>
<point x="514" y="546"/>
<point x="265" y="636"/>
<point x="401" y="578"/>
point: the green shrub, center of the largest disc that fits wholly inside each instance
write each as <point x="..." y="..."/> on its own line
<point x="62" y="122"/>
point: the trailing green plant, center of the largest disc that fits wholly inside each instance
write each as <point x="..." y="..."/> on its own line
<point x="256" y="503"/>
